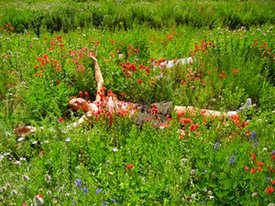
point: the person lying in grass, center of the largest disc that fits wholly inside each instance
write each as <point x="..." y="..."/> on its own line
<point x="143" y="112"/>
<point x="110" y="105"/>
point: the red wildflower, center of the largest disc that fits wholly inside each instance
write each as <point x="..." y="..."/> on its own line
<point x="269" y="190"/>
<point x="183" y="82"/>
<point x="260" y="169"/>
<point x="170" y="37"/>
<point x="45" y="56"/>
<point x="273" y="182"/>
<point x="24" y="204"/>
<point x="193" y="127"/>
<point x="271" y="169"/>
<point x="222" y="75"/>
<point x="129" y="167"/>
<point x="139" y="81"/>
<point x="81" y="68"/>
<point x="168" y="118"/>
<point x="154" y="109"/>
<point x="246" y="168"/>
<point x="132" y="67"/>
<point x="245" y="123"/>
<point x="247" y="133"/>
<point x="86" y="94"/>
<point x="112" y="54"/>
<point x="235" y="119"/>
<point x="181" y="137"/>
<point x="59" y="38"/>
<point x="40" y="195"/>
<point x="235" y="71"/>
<point x="253" y="170"/>
<point x="60" y="119"/>
<point x="259" y="164"/>
<point x="185" y="121"/>
<point x="253" y="156"/>
<point x="80" y="94"/>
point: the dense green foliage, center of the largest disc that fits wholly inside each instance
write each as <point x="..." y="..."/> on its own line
<point x="64" y="16"/>
<point x="44" y="49"/>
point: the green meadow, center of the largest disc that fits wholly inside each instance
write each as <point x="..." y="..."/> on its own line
<point x="193" y="159"/>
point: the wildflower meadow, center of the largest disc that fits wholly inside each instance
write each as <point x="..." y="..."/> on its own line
<point x="206" y="54"/>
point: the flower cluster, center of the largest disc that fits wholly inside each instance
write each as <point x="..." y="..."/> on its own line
<point x="128" y="68"/>
<point x="43" y="62"/>
<point x="57" y="55"/>
<point x="192" y="78"/>
<point x="264" y="48"/>
<point x="257" y="167"/>
<point x="78" y="56"/>
<point x="8" y="28"/>
<point x="202" y="47"/>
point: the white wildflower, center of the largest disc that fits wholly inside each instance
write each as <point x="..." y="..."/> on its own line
<point x="115" y="149"/>
<point x="192" y="172"/>
<point x="20" y="139"/>
<point x="254" y="194"/>
<point x="48" y="178"/>
<point x="13" y="192"/>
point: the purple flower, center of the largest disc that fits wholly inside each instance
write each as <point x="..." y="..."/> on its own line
<point x="78" y="182"/>
<point x="255" y="143"/>
<point x="253" y="135"/>
<point x="98" y="191"/>
<point x="85" y="190"/>
<point x="105" y="203"/>
<point x="114" y="201"/>
<point x="232" y="160"/>
<point x="273" y="152"/>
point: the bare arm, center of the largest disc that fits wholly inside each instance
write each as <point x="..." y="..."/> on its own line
<point x="98" y="78"/>
<point x="100" y="83"/>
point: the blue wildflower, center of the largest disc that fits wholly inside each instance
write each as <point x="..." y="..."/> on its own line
<point x="114" y="201"/>
<point x="255" y="143"/>
<point x="78" y="182"/>
<point x="98" y="191"/>
<point x="253" y="135"/>
<point x="85" y="190"/>
<point x="105" y="203"/>
<point x="232" y="160"/>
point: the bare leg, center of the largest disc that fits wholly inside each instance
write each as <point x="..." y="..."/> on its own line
<point x="193" y="111"/>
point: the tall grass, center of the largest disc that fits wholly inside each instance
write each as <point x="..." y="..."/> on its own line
<point x="66" y="16"/>
<point x="44" y="62"/>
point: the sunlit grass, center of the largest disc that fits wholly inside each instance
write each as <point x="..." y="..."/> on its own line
<point x="215" y="161"/>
